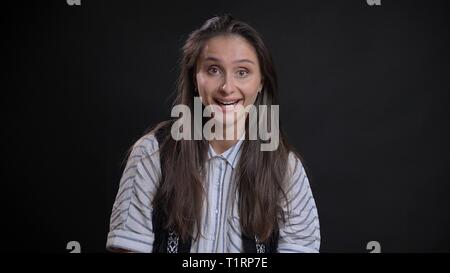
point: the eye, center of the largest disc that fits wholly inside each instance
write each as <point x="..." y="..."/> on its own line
<point x="213" y="70"/>
<point x="242" y="73"/>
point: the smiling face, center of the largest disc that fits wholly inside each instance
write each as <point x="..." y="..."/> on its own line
<point x="228" y="75"/>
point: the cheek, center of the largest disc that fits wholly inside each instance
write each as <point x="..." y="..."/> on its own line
<point x="204" y="86"/>
<point x="206" y="90"/>
<point x="250" y="98"/>
<point x="251" y="93"/>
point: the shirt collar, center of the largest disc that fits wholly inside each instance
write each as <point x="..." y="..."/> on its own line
<point x="231" y="155"/>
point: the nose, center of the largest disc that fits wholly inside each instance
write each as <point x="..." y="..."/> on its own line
<point x="228" y="86"/>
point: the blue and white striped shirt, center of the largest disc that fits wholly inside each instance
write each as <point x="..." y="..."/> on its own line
<point x="131" y="222"/>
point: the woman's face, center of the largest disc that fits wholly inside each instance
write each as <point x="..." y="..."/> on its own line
<point x="228" y="75"/>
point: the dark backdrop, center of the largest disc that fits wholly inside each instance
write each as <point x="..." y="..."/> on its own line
<point x="364" y="99"/>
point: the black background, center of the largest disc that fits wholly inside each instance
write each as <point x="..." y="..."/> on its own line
<point x="364" y="99"/>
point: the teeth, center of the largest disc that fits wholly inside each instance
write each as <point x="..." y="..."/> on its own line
<point x="227" y="102"/>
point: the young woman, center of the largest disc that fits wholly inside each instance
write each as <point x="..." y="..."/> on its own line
<point x="217" y="195"/>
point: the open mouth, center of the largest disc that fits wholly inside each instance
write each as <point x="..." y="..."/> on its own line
<point x="227" y="105"/>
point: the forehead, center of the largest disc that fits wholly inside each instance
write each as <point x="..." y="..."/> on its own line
<point x="228" y="48"/>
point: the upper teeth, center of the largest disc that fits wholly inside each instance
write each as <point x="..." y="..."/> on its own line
<point x="227" y="102"/>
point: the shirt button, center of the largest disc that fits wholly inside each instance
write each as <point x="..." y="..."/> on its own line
<point x="217" y="211"/>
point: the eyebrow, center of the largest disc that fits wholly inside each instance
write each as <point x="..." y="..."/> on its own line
<point x="210" y="58"/>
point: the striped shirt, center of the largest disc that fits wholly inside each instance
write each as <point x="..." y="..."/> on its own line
<point x="131" y="221"/>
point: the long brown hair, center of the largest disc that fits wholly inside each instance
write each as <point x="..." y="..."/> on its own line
<point x="260" y="175"/>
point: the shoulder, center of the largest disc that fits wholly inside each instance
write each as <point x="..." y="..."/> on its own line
<point x="143" y="157"/>
<point x="145" y="152"/>
<point x="149" y="144"/>
<point x="295" y="165"/>
<point x="145" y="147"/>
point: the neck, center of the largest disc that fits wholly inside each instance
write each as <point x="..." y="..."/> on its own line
<point x="221" y="146"/>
